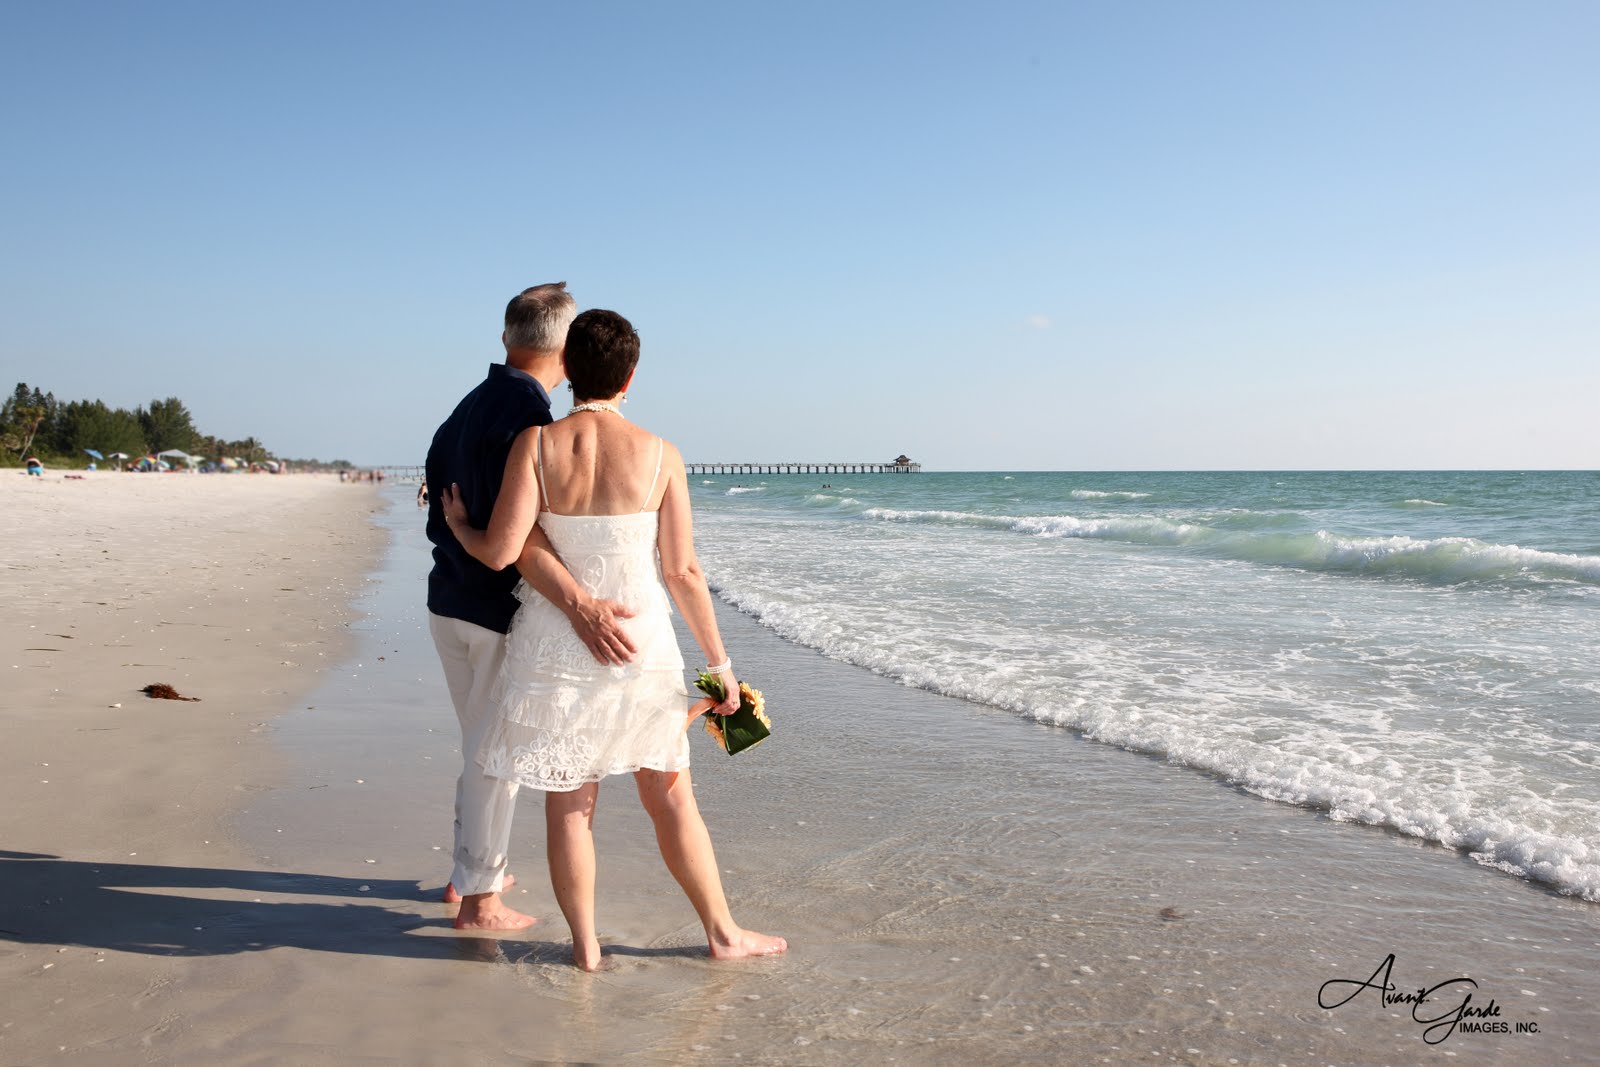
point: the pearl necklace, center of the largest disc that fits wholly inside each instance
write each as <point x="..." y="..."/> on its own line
<point x="595" y="405"/>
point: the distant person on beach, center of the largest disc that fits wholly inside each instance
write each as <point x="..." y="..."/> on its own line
<point x="611" y="496"/>
<point x="422" y="493"/>
<point x="470" y="605"/>
<point x="35" y="468"/>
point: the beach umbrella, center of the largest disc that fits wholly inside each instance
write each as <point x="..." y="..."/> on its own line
<point x="93" y="453"/>
<point x="120" y="455"/>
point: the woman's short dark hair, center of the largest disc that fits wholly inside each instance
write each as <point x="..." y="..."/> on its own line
<point x="602" y="350"/>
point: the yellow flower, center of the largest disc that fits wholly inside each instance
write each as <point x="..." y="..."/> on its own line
<point x="714" y="730"/>
<point x="758" y="703"/>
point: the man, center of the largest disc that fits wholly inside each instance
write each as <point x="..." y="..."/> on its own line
<point x="470" y="607"/>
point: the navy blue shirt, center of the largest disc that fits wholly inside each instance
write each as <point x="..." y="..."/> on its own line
<point x="470" y="450"/>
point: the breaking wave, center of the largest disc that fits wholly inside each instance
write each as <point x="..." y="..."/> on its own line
<point x="1446" y="559"/>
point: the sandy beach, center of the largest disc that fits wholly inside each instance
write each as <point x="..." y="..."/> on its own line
<point x="263" y="889"/>
<point x="234" y="590"/>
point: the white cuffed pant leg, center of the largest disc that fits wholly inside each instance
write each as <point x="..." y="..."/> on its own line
<point x="471" y="656"/>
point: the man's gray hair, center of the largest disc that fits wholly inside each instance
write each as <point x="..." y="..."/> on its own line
<point x="538" y="318"/>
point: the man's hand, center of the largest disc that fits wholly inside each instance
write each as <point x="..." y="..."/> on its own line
<point x="597" y="624"/>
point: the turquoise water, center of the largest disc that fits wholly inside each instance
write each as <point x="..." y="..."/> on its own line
<point x="1419" y="651"/>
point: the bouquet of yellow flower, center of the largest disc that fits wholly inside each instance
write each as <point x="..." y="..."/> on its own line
<point x="745" y="727"/>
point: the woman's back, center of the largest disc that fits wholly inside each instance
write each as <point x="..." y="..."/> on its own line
<point x="603" y="490"/>
<point x="598" y="463"/>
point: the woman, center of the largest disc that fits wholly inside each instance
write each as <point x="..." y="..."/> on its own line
<point x="609" y="496"/>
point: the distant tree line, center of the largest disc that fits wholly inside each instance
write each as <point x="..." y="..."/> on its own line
<point x="33" y="422"/>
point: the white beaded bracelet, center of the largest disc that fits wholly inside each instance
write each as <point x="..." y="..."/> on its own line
<point x="726" y="664"/>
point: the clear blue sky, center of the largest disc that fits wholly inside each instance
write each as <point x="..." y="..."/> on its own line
<point x="1059" y="235"/>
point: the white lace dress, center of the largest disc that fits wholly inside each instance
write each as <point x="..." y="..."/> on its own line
<point x="564" y="718"/>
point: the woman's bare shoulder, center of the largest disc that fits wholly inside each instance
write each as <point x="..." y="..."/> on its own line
<point x="669" y="451"/>
<point x="670" y="456"/>
<point x="525" y="443"/>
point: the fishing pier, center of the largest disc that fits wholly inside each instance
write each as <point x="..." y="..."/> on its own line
<point x="903" y="465"/>
<point x="803" y="468"/>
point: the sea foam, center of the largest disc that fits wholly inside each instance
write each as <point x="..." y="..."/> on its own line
<point x="1311" y="766"/>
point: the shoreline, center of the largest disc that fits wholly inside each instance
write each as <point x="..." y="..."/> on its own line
<point x="959" y="886"/>
<point x="920" y="852"/>
<point x="234" y="590"/>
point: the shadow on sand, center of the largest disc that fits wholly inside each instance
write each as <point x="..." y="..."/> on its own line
<point x="203" y="911"/>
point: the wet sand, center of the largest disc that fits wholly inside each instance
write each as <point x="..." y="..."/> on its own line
<point x="957" y="886"/>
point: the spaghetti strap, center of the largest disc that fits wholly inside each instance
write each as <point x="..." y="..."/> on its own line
<point x="538" y="450"/>
<point x="661" y="446"/>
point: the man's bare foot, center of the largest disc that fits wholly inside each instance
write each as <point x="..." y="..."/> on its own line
<point x="747" y="943"/>
<point x="452" y="897"/>
<point x="488" y="913"/>
<point x="589" y="958"/>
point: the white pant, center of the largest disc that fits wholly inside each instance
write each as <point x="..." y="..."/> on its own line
<point x="471" y="656"/>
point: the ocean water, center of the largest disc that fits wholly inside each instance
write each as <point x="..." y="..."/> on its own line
<point x="1417" y="651"/>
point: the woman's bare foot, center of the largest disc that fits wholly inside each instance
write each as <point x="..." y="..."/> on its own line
<point x="486" y="912"/>
<point x="452" y="897"/>
<point x="747" y="943"/>
<point x="589" y="958"/>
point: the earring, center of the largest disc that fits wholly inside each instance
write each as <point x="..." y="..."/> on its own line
<point x="623" y="399"/>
